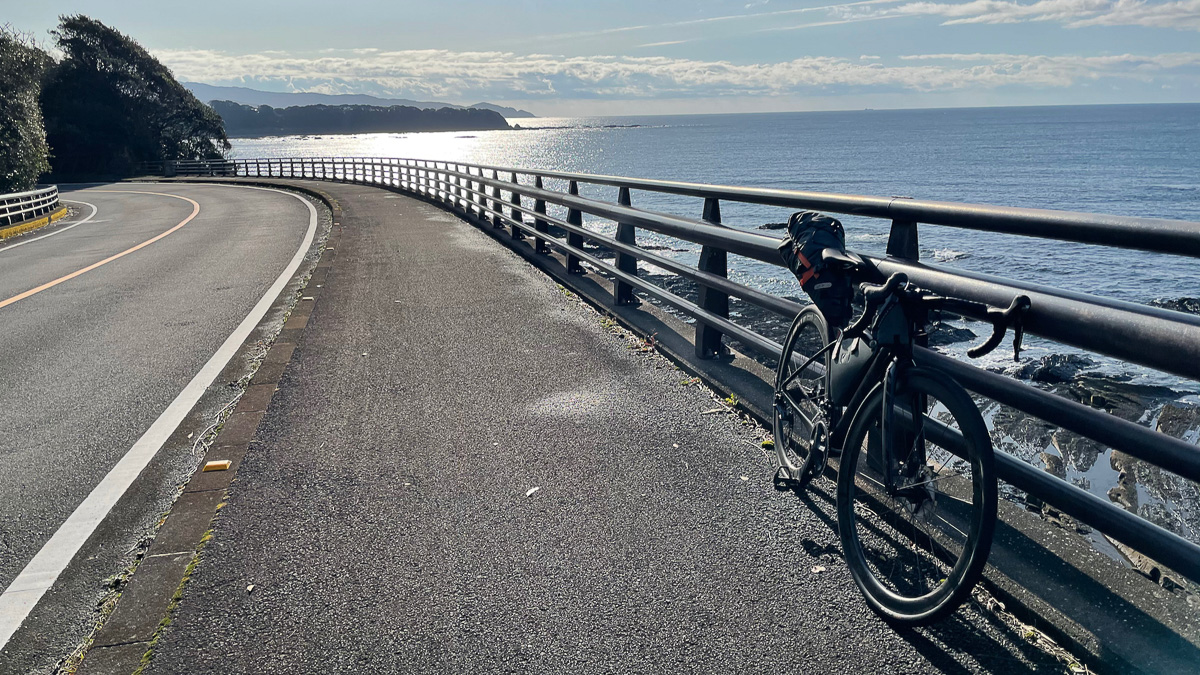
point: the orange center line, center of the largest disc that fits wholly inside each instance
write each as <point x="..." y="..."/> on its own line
<point x="122" y="254"/>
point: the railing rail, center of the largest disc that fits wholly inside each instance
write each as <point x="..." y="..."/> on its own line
<point x="1157" y="338"/>
<point x="21" y="206"/>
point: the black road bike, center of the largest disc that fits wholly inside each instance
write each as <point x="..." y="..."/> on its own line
<point x="916" y="483"/>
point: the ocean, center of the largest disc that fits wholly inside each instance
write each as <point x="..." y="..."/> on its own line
<point x="1136" y="160"/>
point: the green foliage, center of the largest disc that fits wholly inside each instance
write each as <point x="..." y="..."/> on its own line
<point x="23" y="148"/>
<point x="110" y="105"/>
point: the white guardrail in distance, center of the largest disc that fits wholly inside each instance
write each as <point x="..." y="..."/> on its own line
<point x="21" y="206"/>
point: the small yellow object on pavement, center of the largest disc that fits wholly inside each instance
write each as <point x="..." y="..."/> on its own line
<point x="217" y="465"/>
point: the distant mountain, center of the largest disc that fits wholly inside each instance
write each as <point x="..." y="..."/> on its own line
<point x="503" y="110"/>
<point x="254" y="97"/>
<point x="266" y="120"/>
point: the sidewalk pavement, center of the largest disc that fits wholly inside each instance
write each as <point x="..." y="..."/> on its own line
<point x="466" y="470"/>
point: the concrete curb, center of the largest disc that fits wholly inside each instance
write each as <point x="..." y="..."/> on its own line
<point x="122" y="644"/>
<point x="31" y="225"/>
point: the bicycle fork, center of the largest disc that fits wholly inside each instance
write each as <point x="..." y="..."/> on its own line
<point x="901" y="450"/>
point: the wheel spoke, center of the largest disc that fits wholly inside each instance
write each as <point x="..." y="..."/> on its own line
<point x="914" y="545"/>
<point x="798" y="411"/>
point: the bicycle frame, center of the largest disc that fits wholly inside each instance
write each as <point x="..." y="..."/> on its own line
<point x="884" y="365"/>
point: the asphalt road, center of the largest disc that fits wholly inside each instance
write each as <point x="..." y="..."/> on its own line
<point x="89" y="364"/>
<point x="465" y="471"/>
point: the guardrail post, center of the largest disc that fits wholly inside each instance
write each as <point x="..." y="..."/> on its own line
<point x="574" y="217"/>
<point x="626" y="234"/>
<point x="485" y="201"/>
<point x="464" y="189"/>
<point x="714" y="261"/>
<point x="517" y="215"/>
<point x="497" y="204"/>
<point x="468" y="199"/>
<point x="539" y="206"/>
<point x="480" y="198"/>
<point x="902" y="241"/>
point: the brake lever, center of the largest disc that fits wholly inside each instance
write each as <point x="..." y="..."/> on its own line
<point x="1001" y="319"/>
<point x="1019" y="306"/>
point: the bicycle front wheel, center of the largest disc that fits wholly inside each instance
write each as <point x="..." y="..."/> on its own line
<point x="800" y="419"/>
<point x="916" y="543"/>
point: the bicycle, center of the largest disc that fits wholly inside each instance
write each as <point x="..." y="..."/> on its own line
<point x="916" y="483"/>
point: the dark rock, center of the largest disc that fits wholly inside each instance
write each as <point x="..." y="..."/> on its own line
<point x="1187" y="305"/>
<point x="1125" y="493"/>
<point x="1019" y="433"/>
<point x="1079" y="452"/>
<point x="1054" y="369"/>
<point x="1180" y="421"/>
<point x="1124" y="399"/>
<point x="941" y="334"/>
<point x="1054" y="464"/>
<point x="773" y="226"/>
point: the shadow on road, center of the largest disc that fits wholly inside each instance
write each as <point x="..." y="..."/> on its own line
<point x="972" y="640"/>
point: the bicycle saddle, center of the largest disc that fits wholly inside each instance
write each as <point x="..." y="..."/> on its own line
<point x="844" y="260"/>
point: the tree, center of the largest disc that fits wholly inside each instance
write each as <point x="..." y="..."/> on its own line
<point x="23" y="149"/>
<point x="110" y="105"/>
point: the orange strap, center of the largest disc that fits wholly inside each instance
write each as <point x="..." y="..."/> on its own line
<point x="808" y="273"/>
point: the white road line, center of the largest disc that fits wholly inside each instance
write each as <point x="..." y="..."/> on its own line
<point x="44" y="569"/>
<point x="57" y="231"/>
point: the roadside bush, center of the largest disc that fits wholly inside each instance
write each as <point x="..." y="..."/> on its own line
<point x="23" y="149"/>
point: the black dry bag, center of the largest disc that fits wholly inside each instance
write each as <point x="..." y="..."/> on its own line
<point x="810" y="233"/>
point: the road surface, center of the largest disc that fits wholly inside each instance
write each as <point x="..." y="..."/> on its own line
<point x="465" y="470"/>
<point x="105" y="320"/>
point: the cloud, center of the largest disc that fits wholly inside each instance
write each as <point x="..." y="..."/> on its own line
<point x="835" y="22"/>
<point x="752" y="16"/>
<point x="1179" y="15"/>
<point x="459" y="76"/>
<point x="1183" y="15"/>
<point x="664" y="44"/>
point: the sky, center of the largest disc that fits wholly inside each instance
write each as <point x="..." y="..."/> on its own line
<point x="625" y="57"/>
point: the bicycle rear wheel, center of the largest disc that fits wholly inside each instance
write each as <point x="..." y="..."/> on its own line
<point x="800" y="420"/>
<point x="917" y="547"/>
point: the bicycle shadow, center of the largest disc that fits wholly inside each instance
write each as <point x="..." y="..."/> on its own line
<point x="973" y="639"/>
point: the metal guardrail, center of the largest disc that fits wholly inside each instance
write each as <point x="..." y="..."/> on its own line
<point x="1157" y="338"/>
<point x="21" y="206"/>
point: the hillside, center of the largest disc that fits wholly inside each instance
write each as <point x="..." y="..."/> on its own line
<point x="255" y="97"/>
<point x="243" y="120"/>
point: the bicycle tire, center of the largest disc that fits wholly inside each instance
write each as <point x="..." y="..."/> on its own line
<point x="799" y="400"/>
<point x="939" y="521"/>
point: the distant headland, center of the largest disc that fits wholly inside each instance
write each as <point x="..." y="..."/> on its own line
<point x="264" y="120"/>
<point x="275" y="99"/>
